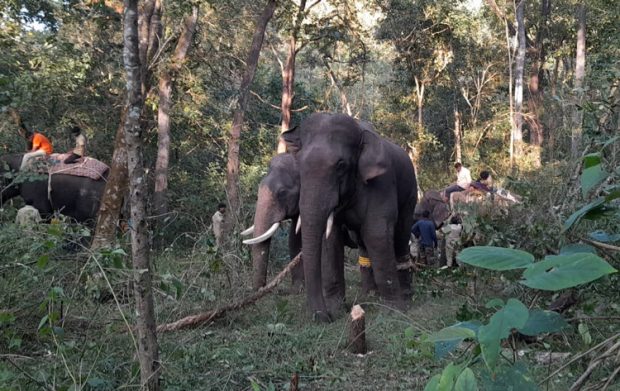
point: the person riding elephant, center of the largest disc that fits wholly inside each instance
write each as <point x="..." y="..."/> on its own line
<point x="40" y="146"/>
<point x="75" y="196"/>
<point x="80" y="146"/>
<point x="278" y="200"/>
<point x="350" y="175"/>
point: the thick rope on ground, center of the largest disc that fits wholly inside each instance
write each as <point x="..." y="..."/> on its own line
<point x="199" y="319"/>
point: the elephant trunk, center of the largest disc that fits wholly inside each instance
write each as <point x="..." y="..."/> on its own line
<point x="315" y="212"/>
<point x="266" y="215"/>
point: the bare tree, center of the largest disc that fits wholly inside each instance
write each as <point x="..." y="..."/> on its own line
<point x="519" y="66"/>
<point x="232" y="169"/>
<point x="148" y="350"/>
<point x="580" y="73"/>
<point x="160" y="201"/>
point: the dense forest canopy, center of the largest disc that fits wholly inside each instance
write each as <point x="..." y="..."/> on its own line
<point x="527" y="90"/>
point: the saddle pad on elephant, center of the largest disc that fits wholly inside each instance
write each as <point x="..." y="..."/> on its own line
<point x="86" y="167"/>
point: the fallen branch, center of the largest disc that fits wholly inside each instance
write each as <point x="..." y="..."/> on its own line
<point x="593" y="364"/>
<point x="577" y="357"/>
<point x="600" y="245"/>
<point x="199" y="319"/>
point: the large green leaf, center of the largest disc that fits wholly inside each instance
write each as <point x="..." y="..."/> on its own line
<point x="448" y="376"/>
<point x="513" y="315"/>
<point x="466" y="381"/>
<point x="445" y="345"/>
<point x="505" y="378"/>
<point x="576" y="248"/>
<point x="591" y="177"/>
<point x="433" y="384"/>
<point x="575" y="217"/>
<point x="541" y="321"/>
<point x="451" y="333"/>
<point x="604" y="237"/>
<point x="495" y="258"/>
<point x="565" y="271"/>
<point x="591" y="160"/>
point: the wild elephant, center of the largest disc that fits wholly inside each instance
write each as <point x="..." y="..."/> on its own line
<point x="278" y="200"/>
<point x="350" y="175"/>
<point x="75" y="196"/>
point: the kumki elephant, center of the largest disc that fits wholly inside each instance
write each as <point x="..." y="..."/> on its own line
<point x="74" y="196"/>
<point x="350" y="175"/>
<point x="278" y="200"/>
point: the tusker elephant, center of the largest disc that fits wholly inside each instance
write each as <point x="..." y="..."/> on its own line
<point x="278" y="200"/>
<point x="74" y="196"/>
<point x="349" y="173"/>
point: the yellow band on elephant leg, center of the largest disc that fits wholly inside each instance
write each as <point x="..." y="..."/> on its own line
<point x="363" y="261"/>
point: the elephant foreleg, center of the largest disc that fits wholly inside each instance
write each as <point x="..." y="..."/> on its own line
<point x="332" y="264"/>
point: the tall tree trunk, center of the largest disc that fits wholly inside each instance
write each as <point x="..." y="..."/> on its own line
<point x="510" y="96"/>
<point x="536" y="79"/>
<point x="519" y="66"/>
<point x="232" y="169"/>
<point x="160" y="200"/>
<point x="580" y="73"/>
<point x="148" y="350"/>
<point x="419" y="90"/>
<point x="149" y="26"/>
<point x="288" y="76"/>
<point x="114" y="193"/>
<point x="457" y="133"/>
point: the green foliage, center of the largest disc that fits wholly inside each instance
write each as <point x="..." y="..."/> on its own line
<point x="496" y="258"/>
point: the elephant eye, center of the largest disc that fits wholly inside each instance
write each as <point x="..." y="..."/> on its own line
<point x="341" y="165"/>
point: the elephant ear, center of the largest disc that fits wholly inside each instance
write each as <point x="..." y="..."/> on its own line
<point x="292" y="138"/>
<point x="373" y="160"/>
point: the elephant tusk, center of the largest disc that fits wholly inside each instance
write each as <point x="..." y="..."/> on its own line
<point x="330" y="225"/>
<point x="298" y="226"/>
<point x="264" y="236"/>
<point x="248" y="231"/>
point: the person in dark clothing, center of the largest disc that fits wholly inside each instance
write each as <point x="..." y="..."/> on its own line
<point x="424" y="230"/>
<point x="484" y="183"/>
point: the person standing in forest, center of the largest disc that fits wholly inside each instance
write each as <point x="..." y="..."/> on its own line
<point x="424" y="230"/>
<point x="463" y="180"/>
<point x="28" y="215"/>
<point x="39" y="145"/>
<point x="80" y="145"/>
<point x="218" y="221"/>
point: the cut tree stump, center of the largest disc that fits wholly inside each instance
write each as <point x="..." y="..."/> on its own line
<point x="357" y="330"/>
<point x="199" y="319"/>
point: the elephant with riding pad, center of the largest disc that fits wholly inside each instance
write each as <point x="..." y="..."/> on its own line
<point x="350" y="175"/>
<point x="278" y="200"/>
<point x="77" y="197"/>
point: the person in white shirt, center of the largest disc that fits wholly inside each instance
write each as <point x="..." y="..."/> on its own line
<point x="463" y="179"/>
<point x="218" y="221"/>
<point x="28" y="215"/>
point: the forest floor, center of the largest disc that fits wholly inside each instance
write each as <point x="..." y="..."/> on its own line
<point x="260" y="347"/>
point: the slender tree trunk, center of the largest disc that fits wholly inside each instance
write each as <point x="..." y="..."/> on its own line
<point x="580" y="72"/>
<point x="232" y="169"/>
<point x="535" y="101"/>
<point x="346" y="107"/>
<point x="114" y="193"/>
<point x="148" y="354"/>
<point x="457" y="133"/>
<point x="149" y="26"/>
<point x="288" y="76"/>
<point x="160" y="200"/>
<point x="419" y="90"/>
<point x="519" y="66"/>
<point x="510" y="97"/>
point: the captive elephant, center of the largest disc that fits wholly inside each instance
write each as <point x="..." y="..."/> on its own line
<point x="278" y="200"/>
<point x="74" y="196"/>
<point x="349" y="173"/>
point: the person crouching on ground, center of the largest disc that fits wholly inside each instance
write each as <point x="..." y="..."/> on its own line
<point x="80" y="146"/>
<point x="424" y="230"/>
<point x="41" y="146"/>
